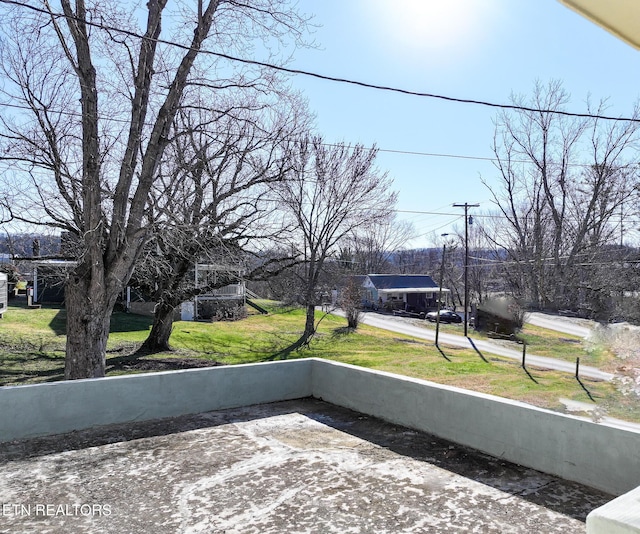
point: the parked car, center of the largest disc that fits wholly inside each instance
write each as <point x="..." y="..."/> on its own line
<point x="446" y="316"/>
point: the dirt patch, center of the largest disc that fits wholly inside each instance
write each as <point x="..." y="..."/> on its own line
<point x="409" y="341"/>
<point x="161" y="364"/>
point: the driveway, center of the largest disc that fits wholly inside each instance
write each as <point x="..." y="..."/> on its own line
<point x="405" y="326"/>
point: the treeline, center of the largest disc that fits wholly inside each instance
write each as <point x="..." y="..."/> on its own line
<point x="565" y="193"/>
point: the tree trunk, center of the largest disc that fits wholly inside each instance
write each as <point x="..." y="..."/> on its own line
<point x="88" y="320"/>
<point x="309" y="330"/>
<point x="309" y="325"/>
<point x="158" y="339"/>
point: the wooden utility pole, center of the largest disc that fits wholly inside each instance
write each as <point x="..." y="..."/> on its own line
<point x="466" y="207"/>
<point x="444" y="251"/>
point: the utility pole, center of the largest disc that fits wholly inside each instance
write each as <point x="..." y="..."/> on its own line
<point x="444" y="251"/>
<point x="466" y="207"/>
<point x="621" y="225"/>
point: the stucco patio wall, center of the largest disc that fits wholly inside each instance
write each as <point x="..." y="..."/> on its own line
<point x="570" y="447"/>
<point x="58" y="407"/>
<point x="620" y="516"/>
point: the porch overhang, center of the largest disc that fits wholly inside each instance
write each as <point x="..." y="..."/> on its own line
<point x="619" y="17"/>
<point x="413" y="290"/>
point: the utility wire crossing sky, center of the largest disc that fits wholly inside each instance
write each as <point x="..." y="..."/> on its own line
<point x="423" y="80"/>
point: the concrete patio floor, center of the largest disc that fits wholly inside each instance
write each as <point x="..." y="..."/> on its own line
<point x="295" y="466"/>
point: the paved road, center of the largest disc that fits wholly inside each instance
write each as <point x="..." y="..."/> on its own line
<point x="404" y="326"/>
<point x="574" y="327"/>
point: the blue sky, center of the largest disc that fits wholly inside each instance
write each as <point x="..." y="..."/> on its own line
<point x="472" y="49"/>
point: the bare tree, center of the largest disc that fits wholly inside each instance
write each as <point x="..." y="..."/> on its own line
<point x="95" y="99"/>
<point x="562" y="180"/>
<point x="213" y="206"/>
<point x="370" y="249"/>
<point x="415" y="261"/>
<point x="351" y="302"/>
<point x="333" y="189"/>
<point x="485" y="273"/>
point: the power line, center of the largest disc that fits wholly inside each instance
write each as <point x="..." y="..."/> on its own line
<point x="78" y="115"/>
<point x="455" y="216"/>
<point x="491" y="215"/>
<point x="378" y="149"/>
<point x="549" y="261"/>
<point x="344" y="81"/>
<point x="330" y="78"/>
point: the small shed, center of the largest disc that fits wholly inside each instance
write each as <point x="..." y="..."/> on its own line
<point x="49" y="277"/>
<point x="499" y="316"/>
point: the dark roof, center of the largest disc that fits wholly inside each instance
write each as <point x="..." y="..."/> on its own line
<point x="401" y="281"/>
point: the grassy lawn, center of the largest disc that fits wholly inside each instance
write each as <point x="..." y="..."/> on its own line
<point x="32" y="350"/>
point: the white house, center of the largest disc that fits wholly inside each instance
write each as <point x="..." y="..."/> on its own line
<point x="410" y="292"/>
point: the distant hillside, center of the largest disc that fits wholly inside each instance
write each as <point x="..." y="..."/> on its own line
<point x="30" y="245"/>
